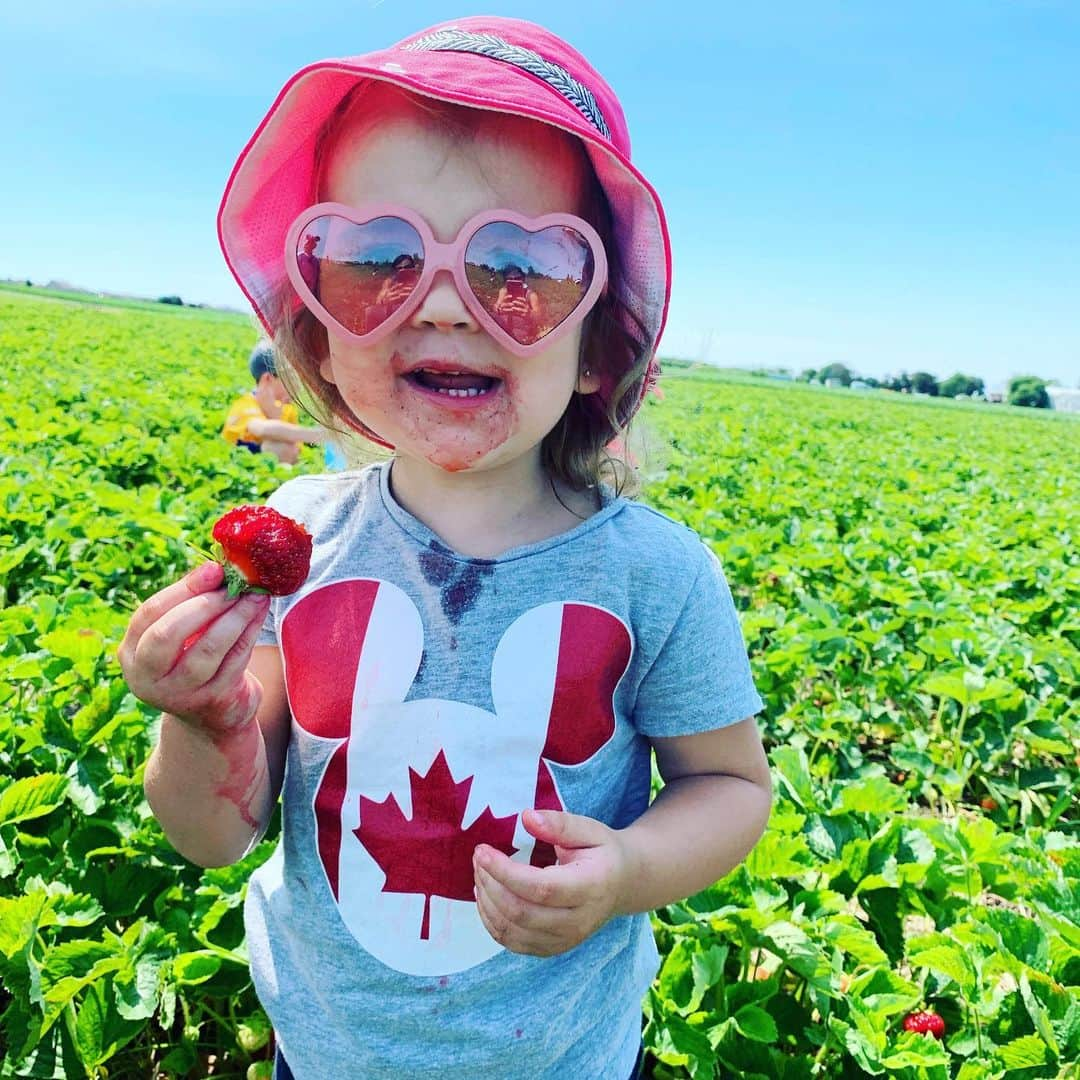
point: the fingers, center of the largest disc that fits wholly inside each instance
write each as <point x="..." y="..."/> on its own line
<point x="202" y="579"/>
<point x="515" y="909"/>
<point x="554" y="887"/>
<point x="188" y="646"/>
<point x="521" y="927"/>
<point x="237" y="658"/>
<point x="160" y="647"/>
<point x="223" y="641"/>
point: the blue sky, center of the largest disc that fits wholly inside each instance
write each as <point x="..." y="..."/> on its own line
<point x="888" y="186"/>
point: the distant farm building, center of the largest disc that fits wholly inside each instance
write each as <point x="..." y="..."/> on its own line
<point x="1064" y="398"/>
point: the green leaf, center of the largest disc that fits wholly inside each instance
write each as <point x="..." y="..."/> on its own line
<point x="1023" y="1053"/>
<point x="1039" y="1015"/>
<point x="32" y="797"/>
<point x="950" y="686"/>
<point x="191" y="968"/>
<point x="19" y="918"/>
<point x="883" y="907"/>
<point x="99" y="1029"/>
<point x="873" y="795"/>
<point x="678" y="1043"/>
<point x="182" y="1059"/>
<point x="74" y="959"/>
<point x="137" y="997"/>
<point x="946" y="959"/>
<point x="915" y="1051"/>
<point x="802" y="955"/>
<point x="862" y="1048"/>
<point x="707" y="966"/>
<point x="75" y="909"/>
<point x="882" y="994"/>
<point x="777" y="855"/>
<point x="755" y="1023"/>
<point x="858" y="943"/>
<point x="794" y="771"/>
<point x="82" y="647"/>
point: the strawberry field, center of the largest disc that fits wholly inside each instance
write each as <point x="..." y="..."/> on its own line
<point x="908" y="579"/>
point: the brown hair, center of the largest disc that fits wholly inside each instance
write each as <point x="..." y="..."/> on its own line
<point x="615" y="346"/>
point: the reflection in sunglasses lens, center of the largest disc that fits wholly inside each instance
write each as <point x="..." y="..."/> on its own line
<point x="361" y="273"/>
<point x="528" y="282"/>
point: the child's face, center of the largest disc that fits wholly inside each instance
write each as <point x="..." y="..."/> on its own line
<point x="273" y="387"/>
<point x="519" y="166"/>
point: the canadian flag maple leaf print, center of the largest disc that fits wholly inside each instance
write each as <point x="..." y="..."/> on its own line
<point x="403" y="787"/>
<point x="430" y="853"/>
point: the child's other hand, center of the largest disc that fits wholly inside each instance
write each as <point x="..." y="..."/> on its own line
<point x="187" y="648"/>
<point x="544" y="911"/>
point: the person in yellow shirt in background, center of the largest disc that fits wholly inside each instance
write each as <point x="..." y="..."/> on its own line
<point x="265" y="420"/>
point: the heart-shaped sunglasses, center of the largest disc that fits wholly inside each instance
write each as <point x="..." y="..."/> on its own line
<point x="362" y="271"/>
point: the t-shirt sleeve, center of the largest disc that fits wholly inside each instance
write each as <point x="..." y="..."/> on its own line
<point x="700" y="679"/>
<point x="242" y="411"/>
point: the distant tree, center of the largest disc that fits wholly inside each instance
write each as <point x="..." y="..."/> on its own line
<point x="958" y="384"/>
<point x="171" y="300"/>
<point x="1028" y="390"/>
<point x="835" y="371"/>
<point x="922" y="382"/>
<point x="29" y="283"/>
<point x="808" y="374"/>
<point x="900" y="383"/>
<point x="871" y="381"/>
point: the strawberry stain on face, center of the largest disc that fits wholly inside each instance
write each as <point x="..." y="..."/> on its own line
<point x="442" y="430"/>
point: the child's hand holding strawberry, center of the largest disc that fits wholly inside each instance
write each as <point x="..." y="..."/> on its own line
<point x="187" y="648"/>
<point x="215" y="773"/>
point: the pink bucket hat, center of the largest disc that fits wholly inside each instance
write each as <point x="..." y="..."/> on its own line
<point x="486" y="62"/>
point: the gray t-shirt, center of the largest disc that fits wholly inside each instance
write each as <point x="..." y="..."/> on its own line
<point x="433" y="698"/>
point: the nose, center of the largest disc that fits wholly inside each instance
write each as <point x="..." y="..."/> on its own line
<point x="443" y="308"/>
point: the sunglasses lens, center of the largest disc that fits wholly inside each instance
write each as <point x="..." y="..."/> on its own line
<point x="363" y="273"/>
<point x="528" y="282"/>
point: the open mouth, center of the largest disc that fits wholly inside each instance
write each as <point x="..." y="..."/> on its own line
<point x="455" y="384"/>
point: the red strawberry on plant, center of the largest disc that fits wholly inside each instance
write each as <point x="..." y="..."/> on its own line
<point x="925" y="1023"/>
<point x="262" y="551"/>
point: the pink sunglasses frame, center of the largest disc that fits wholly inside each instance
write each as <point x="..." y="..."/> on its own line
<point x="449" y="257"/>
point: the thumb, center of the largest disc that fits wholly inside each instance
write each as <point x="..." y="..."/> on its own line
<point x="565" y="830"/>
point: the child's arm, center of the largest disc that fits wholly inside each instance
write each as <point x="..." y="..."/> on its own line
<point x="283" y="431"/>
<point x="706" y="819"/>
<point x="216" y="772"/>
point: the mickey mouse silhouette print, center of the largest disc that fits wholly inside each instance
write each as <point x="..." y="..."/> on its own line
<point x="411" y="787"/>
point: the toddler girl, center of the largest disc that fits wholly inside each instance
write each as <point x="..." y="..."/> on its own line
<point x="459" y="707"/>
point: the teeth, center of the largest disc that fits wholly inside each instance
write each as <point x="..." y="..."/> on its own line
<point x="471" y="392"/>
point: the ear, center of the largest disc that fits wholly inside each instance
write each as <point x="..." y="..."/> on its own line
<point x="587" y="384"/>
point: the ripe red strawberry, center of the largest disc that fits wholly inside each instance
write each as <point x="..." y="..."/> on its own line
<point x="925" y="1023"/>
<point x="262" y="551"/>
